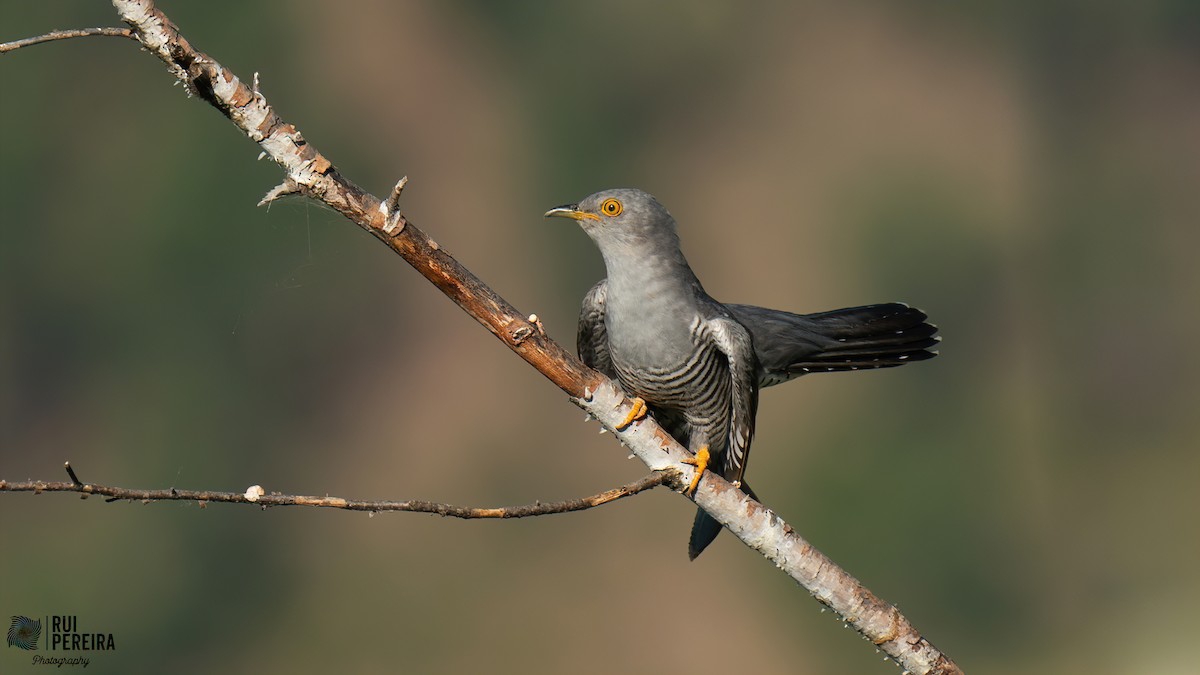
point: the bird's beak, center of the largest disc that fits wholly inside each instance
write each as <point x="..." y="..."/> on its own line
<point x="571" y="211"/>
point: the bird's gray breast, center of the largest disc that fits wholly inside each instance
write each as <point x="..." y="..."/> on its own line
<point x="650" y="336"/>
<point x="675" y="366"/>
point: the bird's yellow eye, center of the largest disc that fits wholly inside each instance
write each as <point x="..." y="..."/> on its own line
<point x="611" y="208"/>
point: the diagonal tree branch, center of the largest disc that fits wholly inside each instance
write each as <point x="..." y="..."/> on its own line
<point x="308" y="172"/>
<point x="256" y="495"/>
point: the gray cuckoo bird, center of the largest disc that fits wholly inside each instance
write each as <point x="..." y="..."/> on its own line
<point x="697" y="363"/>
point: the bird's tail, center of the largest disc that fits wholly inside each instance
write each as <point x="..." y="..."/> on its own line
<point x="705" y="528"/>
<point x="857" y="338"/>
<point x="875" y="336"/>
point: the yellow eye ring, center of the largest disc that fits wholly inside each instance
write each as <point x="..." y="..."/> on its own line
<point x="611" y="208"/>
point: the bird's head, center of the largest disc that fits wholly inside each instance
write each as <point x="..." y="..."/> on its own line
<point x="621" y="218"/>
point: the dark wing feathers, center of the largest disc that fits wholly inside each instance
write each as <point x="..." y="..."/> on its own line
<point x="735" y="342"/>
<point x="592" y="338"/>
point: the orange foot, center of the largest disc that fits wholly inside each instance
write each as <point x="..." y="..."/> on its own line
<point x="636" y="412"/>
<point x="700" y="461"/>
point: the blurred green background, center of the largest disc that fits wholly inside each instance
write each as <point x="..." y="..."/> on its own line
<point x="1025" y="172"/>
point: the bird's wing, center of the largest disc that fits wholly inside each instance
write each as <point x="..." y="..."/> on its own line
<point x="857" y="338"/>
<point x="733" y="340"/>
<point x="592" y="339"/>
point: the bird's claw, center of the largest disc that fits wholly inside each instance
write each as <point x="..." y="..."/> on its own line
<point x="636" y="412"/>
<point x="700" y="461"/>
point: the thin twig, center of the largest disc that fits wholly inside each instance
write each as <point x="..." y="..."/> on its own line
<point x="251" y="496"/>
<point x="71" y="473"/>
<point x="66" y="35"/>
